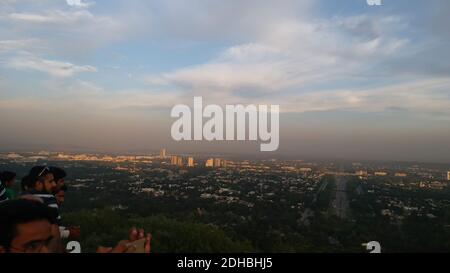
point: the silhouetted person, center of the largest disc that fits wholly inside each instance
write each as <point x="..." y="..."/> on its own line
<point x="41" y="183"/>
<point x="3" y="196"/>
<point x="24" y="183"/>
<point x="8" y="179"/>
<point x="59" y="175"/>
<point x="27" y="226"/>
<point x="71" y="233"/>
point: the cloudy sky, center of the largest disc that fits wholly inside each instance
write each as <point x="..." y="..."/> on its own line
<point x="352" y="81"/>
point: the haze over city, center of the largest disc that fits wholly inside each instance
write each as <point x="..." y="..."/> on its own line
<point x="352" y="80"/>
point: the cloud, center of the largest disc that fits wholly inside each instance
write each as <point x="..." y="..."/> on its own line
<point x="14" y="45"/>
<point x="334" y="72"/>
<point x="344" y="63"/>
<point x="428" y="96"/>
<point x="59" y="17"/>
<point x="64" y="31"/>
<point x="293" y="56"/>
<point x="87" y="97"/>
<point x="78" y="3"/>
<point x="53" y="68"/>
<point x="34" y="18"/>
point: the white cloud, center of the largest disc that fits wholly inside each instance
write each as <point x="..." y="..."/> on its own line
<point x="54" y="68"/>
<point x="58" y="17"/>
<point x="78" y="3"/>
<point x="277" y="51"/>
<point x="34" y="18"/>
<point x="65" y="32"/>
<point x="13" y="45"/>
<point x="426" y="96"/>
<point x="302" y="65"/>
<point x="225" y="77"/>
<point x="291" y="55"/>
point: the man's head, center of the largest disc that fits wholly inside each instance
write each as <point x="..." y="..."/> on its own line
<point x="59" y="175"/>
<point x="42" y="179"/>
<point x="8" y="178"/>
<point x="25" y="226"/>
<point x="25" y="183"/>
<point x="60" y="194"/>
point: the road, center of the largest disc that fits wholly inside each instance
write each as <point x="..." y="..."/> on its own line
<point x="341" y="204"/>
<point x="322" y="187"/>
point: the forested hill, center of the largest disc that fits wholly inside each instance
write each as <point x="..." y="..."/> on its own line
<point x="106" y="227"/>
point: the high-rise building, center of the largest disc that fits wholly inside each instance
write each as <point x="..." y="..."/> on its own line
<point x="162" y="153"/>
<point x="448" y="175"/>
<point x="361" y="173"/>
<point x="400" y="174"/>
<point x="190" y="162"/>
<point x="180" y="161"/>
<point x="217" y="162"/>
<point x="173" y="160"/>
<point x="209" y="163"/>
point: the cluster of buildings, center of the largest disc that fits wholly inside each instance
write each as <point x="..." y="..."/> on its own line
<point x="243" y="183"/>
<point x="434" y="185"/>
<point x="188" y="161"/>
<point x="182" y="161"/>
<point x="216" y="163"/>
<point x="176" y="160"/>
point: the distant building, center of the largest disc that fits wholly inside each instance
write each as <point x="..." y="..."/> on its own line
<point x="173" y="160"/>
<point x="361" y="173"/>
<point x="209" y="163"/>
<point x="217" y="162"/>
<point x="190" y="162"/>
<point x="289" y="168"/>
<point x="448" y="175"/>
<point x="436" y="185"/>
<point x="162" y="153"/>
<point x="380" y="173"/>
<point x="14" y="156"/>
<point x="179" y="161"/>
<point x="386" y="212"/>
<point x="401" y="175"/>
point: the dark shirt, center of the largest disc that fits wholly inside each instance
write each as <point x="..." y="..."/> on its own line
<point x="49" y="200"/>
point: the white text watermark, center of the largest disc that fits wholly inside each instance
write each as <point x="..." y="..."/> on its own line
<point x="236" y="125"/>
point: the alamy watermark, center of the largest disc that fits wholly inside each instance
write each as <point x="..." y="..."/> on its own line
<point x="236" y="126"/>
<point x="373" y="247"/>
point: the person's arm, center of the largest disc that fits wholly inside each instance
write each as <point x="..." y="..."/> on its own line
<point x="55" y="245"/>
<point x="72" y="233"/>
<point x="65" y="233"/>
<point x="125" y="246"/>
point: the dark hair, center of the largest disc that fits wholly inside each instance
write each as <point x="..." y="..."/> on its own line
<point x="21" y="211"/>
<point x="25" y="183"/>
<point x="35" y="174"/>
<point x="58" y="173"/>
<point x="63" y="188"/>
<point x="7" y="176"/>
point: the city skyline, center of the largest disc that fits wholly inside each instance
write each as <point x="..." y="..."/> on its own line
<point x="323" y="201"/>
<point x="352" y="80"/>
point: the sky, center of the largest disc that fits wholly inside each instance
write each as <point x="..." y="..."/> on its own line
<point x="352" y="80"/>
